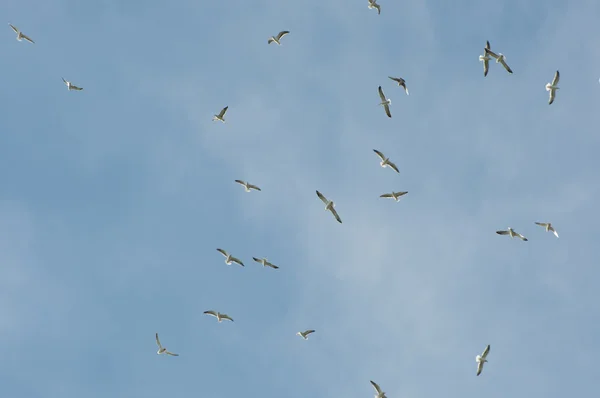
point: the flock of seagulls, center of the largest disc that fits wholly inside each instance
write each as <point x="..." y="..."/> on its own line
<point x="329" y="204"/>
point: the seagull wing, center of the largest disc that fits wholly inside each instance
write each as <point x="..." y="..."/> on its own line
<point x="171" y="354"/>
<point x="524" y="239"/>
<point x="556" y="78"/>
<point x="271" y="265"/>
<point x="382" y="95"/>
<point x="542" y="224"/>
<point x="225" y="316"/>
<point x="380" y="154"/>
<point x="503" y="62"/>
<point x="258" y="260"/>
<point x="396" y="79"/>
<point x="250" y="186"/>
<point x="551" y="97"/>
<point x="223" y="252"/>
<point x="485" y="352"/>
<point x="237" y="260"/>
<point x="306" y="333"/>
<point x="387" y="110"/>
<point x="76" y="88"/>
<point x="491" y="53"/>
<point x="336" y="215"/>
<point x="158" y="342"/>
<point x="240" y="182"/>
<point x="393" y="166"/>
<point x="323" y="198"/>
<point x="211" y="312"/>
<point x="376" y="386"/>
<point x="282" y="33"/>
<point x="27" y="38"/>
<point x="223" y="111"/>
<point x="554" y="231"/>
<point x="14" y="28"/>
<point x="386" y="195"/>
<point x="66" y="82"/>
<point x="479" y="367"/>
<point x="487" y="45"/>
<point x="486" y="67"/>
<point x="502" y="232"/>
<point x="401" y="193"/>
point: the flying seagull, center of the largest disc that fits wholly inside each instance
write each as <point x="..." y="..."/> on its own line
<point x="385" y="102"/>
<point x="21" y="35"/>
<point x="247" y="185"/>
<point x="162" y="350"/>
<point x="218" y="315"/>
<point x="305" y="334"/>
<point x="277" y="39"/>
<point x="548" y="227"/>
<point x="221" y="116"/>
<point x="394" y="195"/>
<point x="265" y="262"/>
<point x="71" y="86"/>
<point x="401" y="82"/>
<point x="481" y="359"/>
<point x="552" y="87"/>
<point x="485" y="59"/>
<point x="373" y="5"/>
<point x="229" y="258"/>
<point x="380" y="394"/>
<point x="386" y="161"/>
<point x="512" y="234"/>
<point x="499" y="58"/>
<point x="329" y="205"/>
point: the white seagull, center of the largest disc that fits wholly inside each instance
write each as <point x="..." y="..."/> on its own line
<point x="221" y="116"/>
<point x="218" y="315"/>
<point x="552" y="87"/>
<point x="265" y="262"/>
<point x="401" y="82"/>
<point x="385" y="102"/>
<point x="499" y="58"/>
<point x="247" y="186"/>
<point x="373" y="5"/>
<point x="512" y="234"/>
<point x="329" y="205"/>
<point x="485" y="59"/>
<point x="481" y="359"/>
<point x="20" y="35"/>
<point x="380" y="394"/>
<point x="394" y="195"/>
<point x="305" y="334"/>
<point x="548" y="227"/>
<point x="385" y="161"/>
<point x="162" y="350"/>
<point x="277" y="39"/>
<point x="229" y="258"/>
<point x="71" y="86"/>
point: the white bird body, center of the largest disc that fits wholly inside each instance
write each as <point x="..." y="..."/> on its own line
<point x="552" y="87"/>
<point x="394" y="195"/>
<point x="265" y="262"/>
<point x="379" y="392"/>
<point x="373" y="5"/>
<point x="385" y="161"/>
<point x="481" y="359"/>
<point x="21" y="35"/>
<point x="162" y="350"/>
<point x="305" y="334"/>
<point x="277" y="39"/>
<point x="512" y="233"/>
<point x="548" y="227"/>
<point x="247" y="186"/>
<point x="71" y="86"/>
<point x="229" y="258"/>
<point x="330" y="206"/>
<point x="221" y="116"/>
<point x="218" y="315"/>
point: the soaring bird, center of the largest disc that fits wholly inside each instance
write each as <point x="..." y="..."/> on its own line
<point x="277" y="39"/>
<point x="548" y="227"/>
<point x="329" y="205"/>
<point x="305" y="334"/>
<point x="499" y="58"/>
<point x="380" y="394"/>
<point x="162" y="350"/>
<point x="247" y="186"/>
<point x="229" y="258"/>
<point x="485" y="59"/>
<point x="552" y="87"/>
<point x="394" y="195"/>
<point x="373" y="5"/>
<point x="385" y="161"/>
<point x="218" y="315"/>
<point x="401" y="82"/>
<point x="385" y="102"/>
<point x="221" y="116"/>
<point x="481" y="359"/>
<point x="512" y="234"/>
<point x="71" y="86"/>
<point x="21" y="35"/>
<point x="265" y="262"/>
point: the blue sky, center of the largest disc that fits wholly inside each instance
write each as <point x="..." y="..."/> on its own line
<point x="114" y="199"/>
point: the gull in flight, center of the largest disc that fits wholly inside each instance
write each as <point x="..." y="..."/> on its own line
<point x="481" y="359"/>
<point x="162" y="350"/>
<point x="329" y="205"/>
<point x="401" y="82"/>
<point x="552" y="87"/>
<point x="277" y="39"/>
<point x="485" y="59"/>
<point x="218" y="315"/>
<point x="247" y="185"/>
<point x="548" y="227"/>
<point x="71" y="86"/>
<point x="499" y="58"/>
<point x="386" y="161"/>
<point x="380" y="394"/>
<point x="20" y="35"/>
<point x="394" y="195"/>
<point x="512" y="234"/>
<point x="373" y="5"/>
<point x="265" y="262"/>
<point x="229" y="258"/>
<point x="221" y="116"/>
<point x="305" y="334"/>
<point x="385" y="102"/>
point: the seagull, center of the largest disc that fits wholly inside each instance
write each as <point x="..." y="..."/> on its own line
<point x="552" y="87"/>
<point x="401" y="82"/>
<point x="71" y="86"/>
<point x="247" y="185"/>
<point x="277" y="39"/>
<point x="394" y="195"/>
<point x="499" y="58"/>
<point x="386" y="161"/>
<point x="20" y="35"/>
<point x="229" y="258"/>
<point x="218" y="315"/>
<point x="485" y="59"/>
<point x="221" y="116"/>
<point x="481" y="359"/>
<point x="329" y="205"/>
<point x="512" y="234"/>
<point x="380" y="394"/>
<point x="305" y="334"/>
<point x="162" y="350"/>
<point x="265" y="262"/>
<point x="373" y="4"/>
<point x="385" y="102"/>
<point x="548" y="226"/>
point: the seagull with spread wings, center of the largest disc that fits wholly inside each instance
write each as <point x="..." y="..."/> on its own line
<point x="386" y="102"/>
<point x="373" y="5"/>
<point x="401" y="82"/>
<point x="218" y="315"/>
<point x="277" y="39"/>
<point x="394" y="195"/>
<point x="485" y="58"/>
<point x="21" y="35"/>
<point x="329" y="205"/>
<point x="162" y="350"/>
<point x="221" y="116"/>
<point x="548" y="227"/>
<point x="265" y="262"/>
<point x="512" y="233"/>
<point x="380" y="394"/>
<point x="385" y="161"/>
<point x="500" y="58"/>
<point x="305" y="334"/>
<point x="248" y="186"/>
<point x="71" y="86"/>
<point x="481" y="359"/>
<point x="229" y="258"/>
<point x="552" y="87"/>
